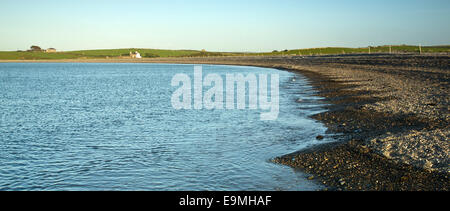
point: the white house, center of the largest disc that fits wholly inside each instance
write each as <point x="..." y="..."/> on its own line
<point x="135" y="55"/>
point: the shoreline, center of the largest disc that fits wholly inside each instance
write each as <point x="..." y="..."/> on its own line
<point x="392" y="112"/>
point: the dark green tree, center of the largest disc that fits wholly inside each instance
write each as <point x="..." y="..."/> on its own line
<point x="35" y="48"/>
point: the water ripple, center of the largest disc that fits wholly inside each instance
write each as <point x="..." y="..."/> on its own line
<point x="112" y="127"/>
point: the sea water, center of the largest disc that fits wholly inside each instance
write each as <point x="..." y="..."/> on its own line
<point x="76" y="126"/>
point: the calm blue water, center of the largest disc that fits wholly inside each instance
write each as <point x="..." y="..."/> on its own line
<point x="112" y="127"/>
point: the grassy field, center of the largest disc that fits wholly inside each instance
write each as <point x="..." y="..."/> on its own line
<point x="152" y="53"/>
<point x="93" y="54"/>
<point x="377" y="49"/>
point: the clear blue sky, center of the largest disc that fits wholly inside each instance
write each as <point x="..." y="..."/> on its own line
<point x="225" y="25"/>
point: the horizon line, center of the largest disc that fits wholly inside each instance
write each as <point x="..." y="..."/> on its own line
<point x="185" y="49"/>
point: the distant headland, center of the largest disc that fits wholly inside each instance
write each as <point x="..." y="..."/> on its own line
<point x="37" y="53"/>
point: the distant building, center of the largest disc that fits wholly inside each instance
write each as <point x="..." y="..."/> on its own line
<point x="135" y="55"/>
<point x="50" y="50"/>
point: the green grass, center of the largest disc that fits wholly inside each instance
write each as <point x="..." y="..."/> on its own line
<point x="377" y="49"/>
<point x="151" y="53"/>
<point x="93" y="54"/>
<point x="122" y="52"/>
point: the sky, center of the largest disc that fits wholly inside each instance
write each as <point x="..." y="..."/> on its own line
<point x="221" y="25"/>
